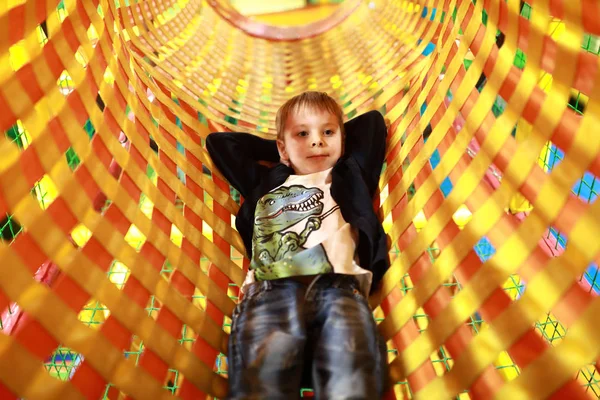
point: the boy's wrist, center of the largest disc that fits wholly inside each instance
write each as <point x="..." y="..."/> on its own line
<point x="268" y="164"/>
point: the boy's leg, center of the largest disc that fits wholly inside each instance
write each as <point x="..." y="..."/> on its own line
<point x="350" y="357"/>
<point x="267" y="340"/>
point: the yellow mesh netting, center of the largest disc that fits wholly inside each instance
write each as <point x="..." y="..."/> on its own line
<point x="119" y="265"/>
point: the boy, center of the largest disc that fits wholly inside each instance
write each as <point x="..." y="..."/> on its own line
<point x="316" y="248"/>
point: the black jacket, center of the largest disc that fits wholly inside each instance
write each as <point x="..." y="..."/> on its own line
<point x="354" y="181"/>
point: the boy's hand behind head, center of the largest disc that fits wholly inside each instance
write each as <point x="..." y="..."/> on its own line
<point x="310" y="133"/>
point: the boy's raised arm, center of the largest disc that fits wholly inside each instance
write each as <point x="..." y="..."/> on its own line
<point x="237" y="156"/>
<point x="365" y="142"/>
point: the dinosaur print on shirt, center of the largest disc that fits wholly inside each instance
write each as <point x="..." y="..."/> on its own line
<point x="299" y="230"/>
<point x="276" y="247"/>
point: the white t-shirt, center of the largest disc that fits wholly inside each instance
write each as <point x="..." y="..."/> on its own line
<point x="299" y="230"/>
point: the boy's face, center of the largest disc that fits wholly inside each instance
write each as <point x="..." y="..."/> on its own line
<point x="312" y="141"/>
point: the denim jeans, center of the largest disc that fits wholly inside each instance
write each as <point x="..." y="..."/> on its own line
<point x="282" y="332"/>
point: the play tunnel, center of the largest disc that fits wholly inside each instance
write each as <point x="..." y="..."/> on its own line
<point x="119" y="261"/>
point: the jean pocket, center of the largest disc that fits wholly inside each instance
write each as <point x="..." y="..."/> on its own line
<point x="255" y="291"/>
<point x="353" y="289"/>
<point x="355" y="295"/>
<point x="235" y="315"/>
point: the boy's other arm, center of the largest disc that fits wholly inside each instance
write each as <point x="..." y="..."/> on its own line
<point x="238" y="156"/>
<point x="365" y="142"/>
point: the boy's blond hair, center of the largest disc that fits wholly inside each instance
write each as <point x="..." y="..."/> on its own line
<point x="311" y="100"/>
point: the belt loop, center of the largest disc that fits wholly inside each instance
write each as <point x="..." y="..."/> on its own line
<point x="338" y="281"/>
<point x="312" y="284"/>
<point x="345" y="280"/>
<point x="257" y="287"/>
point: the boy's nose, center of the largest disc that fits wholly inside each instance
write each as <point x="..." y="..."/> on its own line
<point x="317" y="141"/>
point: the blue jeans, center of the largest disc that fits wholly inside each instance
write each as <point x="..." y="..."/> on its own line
<point x="284" y="337"/>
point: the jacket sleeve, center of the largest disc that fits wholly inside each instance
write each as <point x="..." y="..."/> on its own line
<point x="366" y="137"/>
<point x="237" y="156"/>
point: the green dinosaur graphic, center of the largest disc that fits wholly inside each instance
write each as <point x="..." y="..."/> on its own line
<point x="279" y="253"/>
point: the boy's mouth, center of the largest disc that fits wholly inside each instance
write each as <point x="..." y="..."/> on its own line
<point x="319" y="156"/>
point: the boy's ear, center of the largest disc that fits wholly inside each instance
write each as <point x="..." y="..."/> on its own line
<point x="283" y="154"/>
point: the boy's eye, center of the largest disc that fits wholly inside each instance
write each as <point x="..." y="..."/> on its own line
<point x="328" y="132"/>
<point x="303" y="133"/>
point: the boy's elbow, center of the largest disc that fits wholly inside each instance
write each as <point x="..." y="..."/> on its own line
<point x="210" y="139"/>
<point x="214" y="141"/>
<point x="378" y="121"/>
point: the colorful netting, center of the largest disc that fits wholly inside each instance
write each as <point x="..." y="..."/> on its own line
<point x="119" y="263"/>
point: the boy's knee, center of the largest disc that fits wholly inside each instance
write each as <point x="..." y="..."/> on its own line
<point x="279" y="351"/>
<point x="274" y="369"/>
